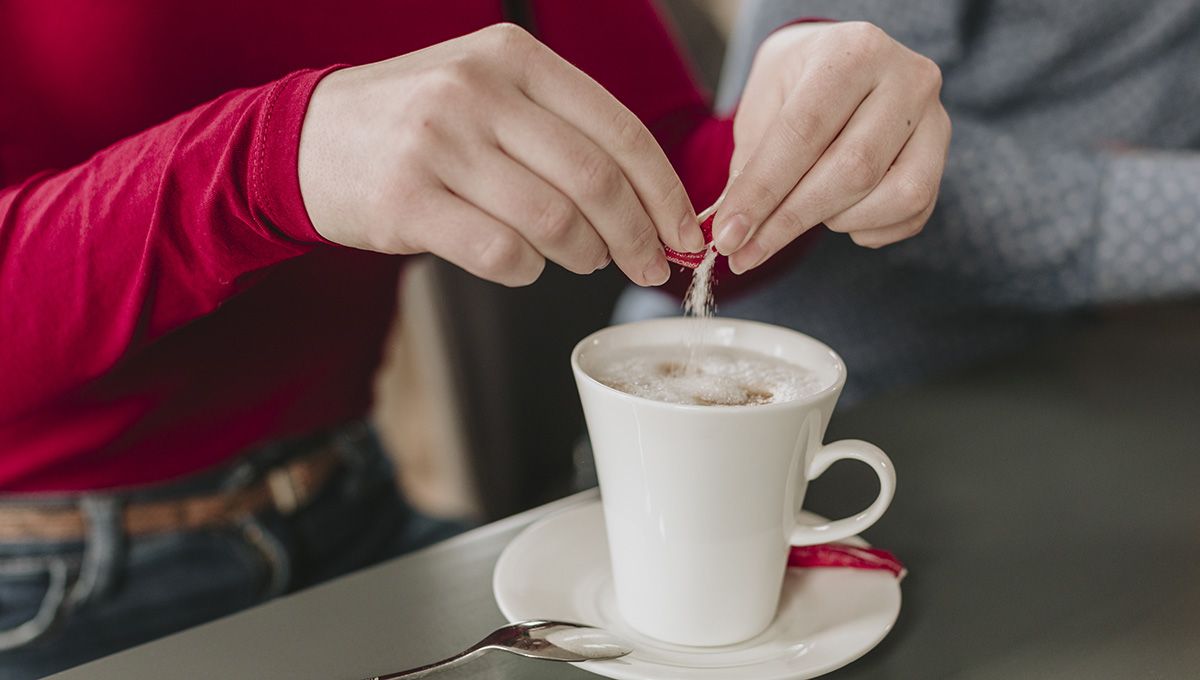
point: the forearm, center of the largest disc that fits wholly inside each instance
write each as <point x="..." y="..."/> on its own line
<point x="147" y="235"/>
<point x="1043" y="227"/>
<point x="1148" y="227"/>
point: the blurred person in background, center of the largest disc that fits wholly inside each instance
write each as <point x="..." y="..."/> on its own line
<point x="1073" y="181"/>
<point x="197" y="210"/>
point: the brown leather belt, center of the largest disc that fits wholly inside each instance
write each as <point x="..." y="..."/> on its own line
<point x="287" y="487"/>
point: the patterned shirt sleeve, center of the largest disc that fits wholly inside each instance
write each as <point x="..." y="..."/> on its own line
<point x="1038" y="210"/>
<point x="1041" y="227"/>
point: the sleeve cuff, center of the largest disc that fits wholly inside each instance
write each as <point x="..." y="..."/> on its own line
<point x="805" y="20"/>
<point x="275" y="177"/>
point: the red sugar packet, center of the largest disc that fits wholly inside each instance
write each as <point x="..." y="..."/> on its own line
<point x="844" y="555"/>
<point x="689" y="260"/>
<point x="693" y="260"/>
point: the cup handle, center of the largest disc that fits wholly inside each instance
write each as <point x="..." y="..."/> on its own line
<point x="844" y="528"/>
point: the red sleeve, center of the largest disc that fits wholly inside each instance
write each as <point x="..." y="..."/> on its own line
<point x="628" y="48"/>
<point x="148" y="234"/>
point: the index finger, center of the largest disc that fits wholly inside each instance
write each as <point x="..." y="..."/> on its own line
<point x="810" y="118"/>
<point x="604" y="120"/>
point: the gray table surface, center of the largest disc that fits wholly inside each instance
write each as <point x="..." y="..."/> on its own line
<point x="1048" y="509"/>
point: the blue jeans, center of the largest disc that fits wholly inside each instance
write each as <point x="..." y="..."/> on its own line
<point x="62" y="604"/>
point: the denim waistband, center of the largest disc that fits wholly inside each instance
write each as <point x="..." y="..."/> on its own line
<point x="82" y="571"/>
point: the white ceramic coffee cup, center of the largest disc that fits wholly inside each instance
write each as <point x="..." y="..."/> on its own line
<point x="701" y="502"/>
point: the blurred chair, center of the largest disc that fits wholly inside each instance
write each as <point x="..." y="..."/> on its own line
<point x="510" y="352"/>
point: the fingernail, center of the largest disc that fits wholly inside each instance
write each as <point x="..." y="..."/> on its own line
<point x="657" y="273"/>
<point x="750" y="256"/>
<point x="729" y="235"/>
<point x="690" y="235"/>
<point x="607" y="261"/>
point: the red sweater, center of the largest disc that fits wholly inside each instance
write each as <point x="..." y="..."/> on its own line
<point x="164" y="299"/>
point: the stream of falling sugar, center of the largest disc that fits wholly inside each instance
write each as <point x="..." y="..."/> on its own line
<point x="698" y="303"/>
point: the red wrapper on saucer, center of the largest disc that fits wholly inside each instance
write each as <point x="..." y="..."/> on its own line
<point x="843" y="555"/>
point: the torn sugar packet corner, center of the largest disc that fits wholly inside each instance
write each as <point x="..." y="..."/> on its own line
<point x="689" y="260"/>
<point x="693" y="260"/>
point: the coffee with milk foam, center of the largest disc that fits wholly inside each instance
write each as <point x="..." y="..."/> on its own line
<point x="716" y="376"/>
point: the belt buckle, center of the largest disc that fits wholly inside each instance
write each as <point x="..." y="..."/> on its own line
<point x="285" y="493"/>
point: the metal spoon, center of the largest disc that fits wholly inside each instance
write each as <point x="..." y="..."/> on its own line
<point x="552" y="640"/>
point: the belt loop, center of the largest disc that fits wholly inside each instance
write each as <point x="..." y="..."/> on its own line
<point x="278" y="561"/>
<point x="103" y="551"/>
<point x="352" y="445"/>
<point x="49" y="614"/>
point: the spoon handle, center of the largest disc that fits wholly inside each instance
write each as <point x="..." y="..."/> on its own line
<point x="451" y="662"/>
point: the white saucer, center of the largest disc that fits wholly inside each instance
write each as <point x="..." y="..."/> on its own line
<point x="558" y="569"/>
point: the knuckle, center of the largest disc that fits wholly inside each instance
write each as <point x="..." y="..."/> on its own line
<point x="929" y="73"/>
<point x="760" y="196"/>
<point x="868" y="240"/>
<point x="789" y="219"/>
<point x="835" y="224"/>
<point x="946" y="120"/>
<point x="636" y="245"/>
<point x="418" y="134"/>
<point x="644" y="239"/>
<point x="414" y="149"/>
<point x="670" y="189"/>
<point x="602" y="257"/>
<point x="839" y="226"/>
<point x="509" y="38"/>
<point x="865" y="35"/>
<point x="876" y="34"/>
<point x="915" y="228"/>
<point x="628" y="131"/>
<point x="581" y="263"/>
<point x="500" y="256"/>
<point x="915" y="195"/>
<point x="754" y="197"/>
<point x="390" y="238"/>
<point x="675" y="196"/>
<point x="554" y="219"/>
<point x="526" y="275"/>
<point x="398" y="197"/>
<point x="772" y="241"/>
<point x="799" y="127"/>
<point x="858" y="167"/>
<point x="853" y="61"/>
<point x="599" y="175"/>
<point x="448" y="85"/>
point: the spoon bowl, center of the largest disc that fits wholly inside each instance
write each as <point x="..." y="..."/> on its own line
<point x="548" y="640"/>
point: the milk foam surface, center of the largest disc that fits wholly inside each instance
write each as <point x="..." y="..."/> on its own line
<point x="717" y="376"/>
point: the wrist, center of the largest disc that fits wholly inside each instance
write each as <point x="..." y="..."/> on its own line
<point x="316" y="157"/>
<point x="275" y="158"/>
<point x="798" y="30"/>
